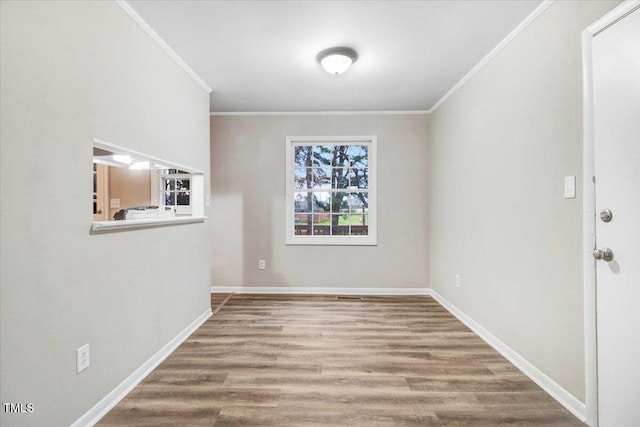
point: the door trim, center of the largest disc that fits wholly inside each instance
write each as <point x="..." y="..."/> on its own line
<point x="106" y="204"/>
<point x="589" y="208"/>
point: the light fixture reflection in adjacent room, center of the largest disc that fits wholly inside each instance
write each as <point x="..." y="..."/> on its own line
<point x="122" y="158"/>
<point x="141" y="165"/>
<point x="337" y="60"/>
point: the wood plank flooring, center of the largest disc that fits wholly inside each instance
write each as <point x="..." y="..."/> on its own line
<point x="293" y="360"/>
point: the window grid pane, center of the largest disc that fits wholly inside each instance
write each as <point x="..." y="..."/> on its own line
<point x="302" y="201"/>
<point x="321" y="202"/>
<point x="169" y="198"/>
<point x="182" y="198"/>
<point x="182" y="184"/>
<point x="321" y="177"/>
<point x="300" y="179"/>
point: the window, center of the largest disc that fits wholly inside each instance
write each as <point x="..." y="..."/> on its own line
<point x="331" y="190"/>
<point x="176" y="190"/>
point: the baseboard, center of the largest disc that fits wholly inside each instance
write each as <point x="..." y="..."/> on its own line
<point x="556" y="391"/>
<point x="100" y="409"/>
<point x="317" y="290"/>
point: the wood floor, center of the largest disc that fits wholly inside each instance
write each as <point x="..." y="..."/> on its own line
<point x="275" y="360"/>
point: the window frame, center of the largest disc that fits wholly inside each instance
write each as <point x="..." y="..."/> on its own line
<point x="334" y="240"/>
<point x="162" y="177"/>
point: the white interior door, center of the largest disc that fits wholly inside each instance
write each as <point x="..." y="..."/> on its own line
<point x="616" y="97"/>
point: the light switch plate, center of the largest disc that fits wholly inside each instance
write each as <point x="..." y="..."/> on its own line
<point x="114" y="203"/>
<point x="569" y="187"/>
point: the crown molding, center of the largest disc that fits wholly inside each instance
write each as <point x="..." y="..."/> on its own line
<point x="616" y="14"/>
<point x="147" y="28"/>
<point x="512" y="35"/>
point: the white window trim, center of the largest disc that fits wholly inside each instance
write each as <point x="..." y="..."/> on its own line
<point x="178" y="209"/>
<point x="372" y="238"/>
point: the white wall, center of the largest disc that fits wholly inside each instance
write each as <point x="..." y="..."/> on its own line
<point x="71" y="72"/>
<point x="499" y="149"/>
<point x="248" y="185"/>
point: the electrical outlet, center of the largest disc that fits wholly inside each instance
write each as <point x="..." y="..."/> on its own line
<point x="458" y="281"/>
<point x="114" y="203"/>
<point x="262" y="264"/>
<point x="82" y="358"/>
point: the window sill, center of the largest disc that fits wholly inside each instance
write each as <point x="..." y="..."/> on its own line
<point x="100" y="226"/>
<point x="333" y="241"/>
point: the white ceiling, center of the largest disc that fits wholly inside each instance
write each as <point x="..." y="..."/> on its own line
<point x="261" y="55"/>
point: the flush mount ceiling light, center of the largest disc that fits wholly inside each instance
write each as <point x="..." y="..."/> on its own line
<point x="337" y="60"/>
